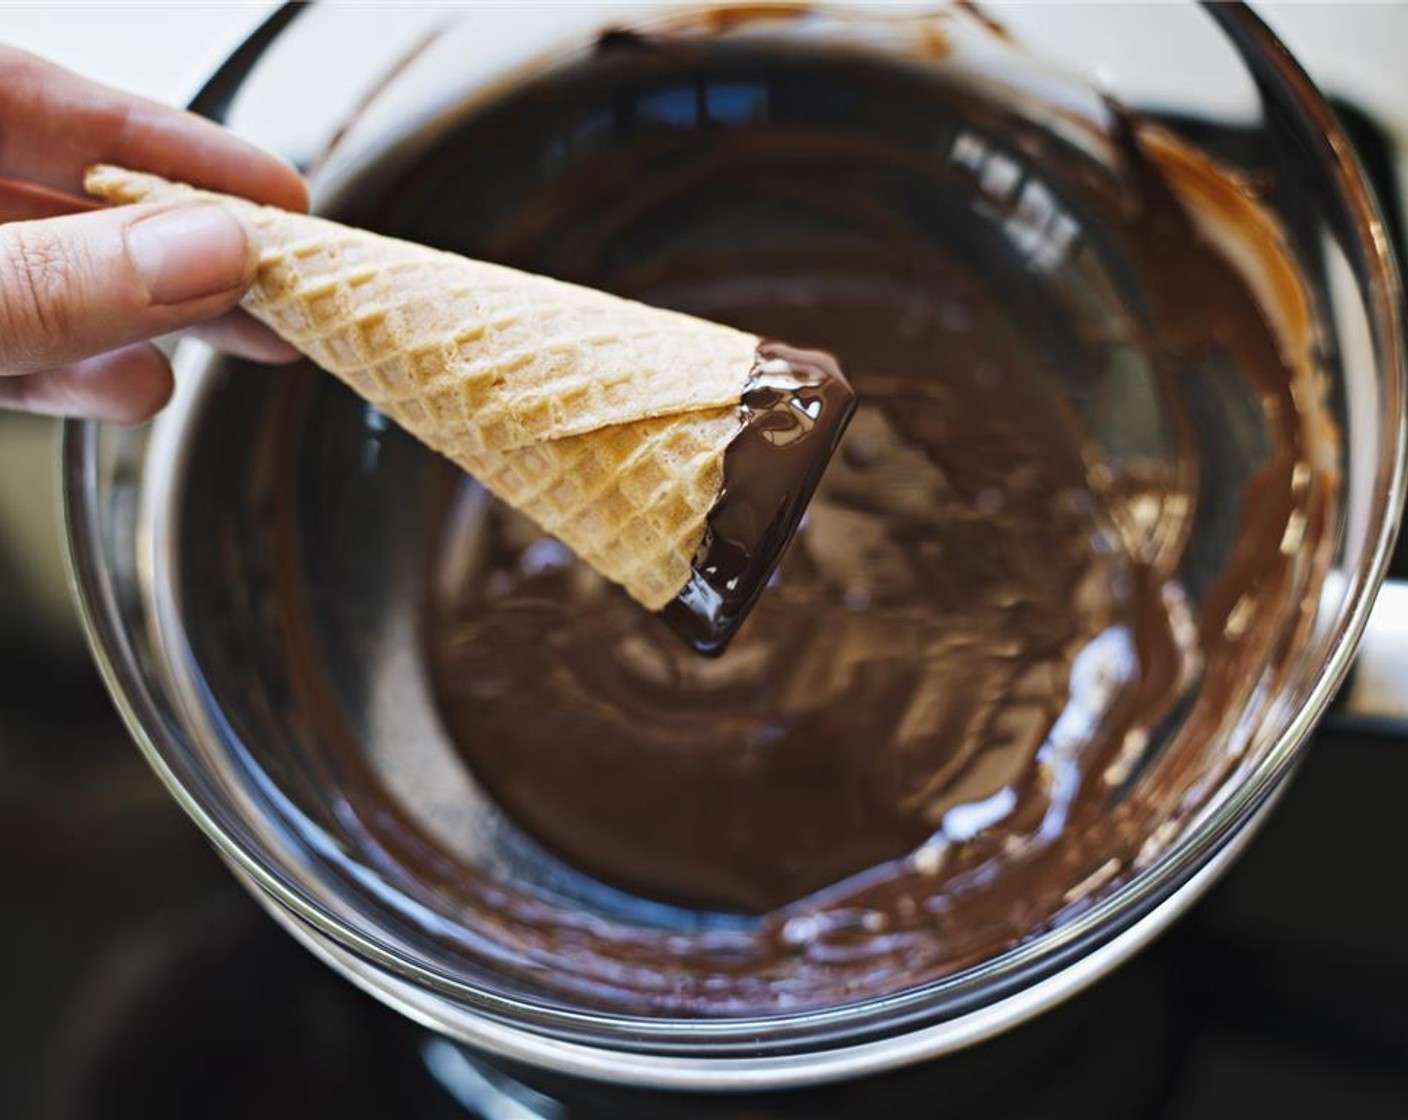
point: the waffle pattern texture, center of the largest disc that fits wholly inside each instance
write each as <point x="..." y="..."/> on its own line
<point x="603" y="419"/>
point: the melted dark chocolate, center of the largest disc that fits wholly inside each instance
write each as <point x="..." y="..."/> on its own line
<point x="796" y="405"/>
<point x="998" y="668"/>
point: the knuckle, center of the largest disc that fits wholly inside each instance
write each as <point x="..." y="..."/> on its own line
<point x="26" y="79"/>
<point x="37" y="272"/>
<point x="126" y="123"/>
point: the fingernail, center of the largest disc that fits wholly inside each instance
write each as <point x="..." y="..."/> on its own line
<point x="189" y="252"/>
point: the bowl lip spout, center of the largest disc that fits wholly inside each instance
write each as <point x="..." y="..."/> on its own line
<point x="802" y="1048"/>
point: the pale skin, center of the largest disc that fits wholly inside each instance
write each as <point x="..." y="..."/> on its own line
<point x="84" y="288"/>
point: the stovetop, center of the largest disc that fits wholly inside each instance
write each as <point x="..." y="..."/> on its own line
<point x="139" y="981"/>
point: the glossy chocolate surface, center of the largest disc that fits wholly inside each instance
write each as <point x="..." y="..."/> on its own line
<point x="1047" y="586"/>
<point x="795" y="407"/>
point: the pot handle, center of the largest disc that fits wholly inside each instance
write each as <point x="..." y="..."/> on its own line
<point x="1376" y="695"/>
<point x="214" y="99"/>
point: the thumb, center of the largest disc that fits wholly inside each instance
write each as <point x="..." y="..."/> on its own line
<point x="83" y="284"/>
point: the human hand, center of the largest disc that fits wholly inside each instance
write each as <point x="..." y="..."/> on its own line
<point x="82" y="288"/>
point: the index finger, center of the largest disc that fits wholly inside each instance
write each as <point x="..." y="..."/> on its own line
<point x="54" y="124"/>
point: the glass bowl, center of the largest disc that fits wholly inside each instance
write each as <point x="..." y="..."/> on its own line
<point x="253" y="567"/>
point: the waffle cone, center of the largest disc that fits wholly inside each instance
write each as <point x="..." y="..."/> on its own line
<point x="604" y="420"/>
